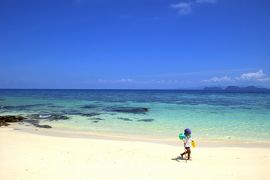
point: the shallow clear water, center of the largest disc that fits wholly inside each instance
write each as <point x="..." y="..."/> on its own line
<point x="214" y="116"/>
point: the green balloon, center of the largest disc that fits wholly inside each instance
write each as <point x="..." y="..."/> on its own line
<point x="182" y="136"/>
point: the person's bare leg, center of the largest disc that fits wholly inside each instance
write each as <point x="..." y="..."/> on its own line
<point x="183" y="154"/>
<point x="188" y="152"/>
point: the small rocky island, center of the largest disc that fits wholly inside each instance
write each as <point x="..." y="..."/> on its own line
<point x="247" y="89"/>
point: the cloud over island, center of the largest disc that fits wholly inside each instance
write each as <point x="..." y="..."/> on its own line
<point x="258" y="76"/>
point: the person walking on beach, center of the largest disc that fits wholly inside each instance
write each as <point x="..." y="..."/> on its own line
<point x="187" y="143"/>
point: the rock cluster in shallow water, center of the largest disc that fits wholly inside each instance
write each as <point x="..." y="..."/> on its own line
<point x="23" y="107"/>
<point x="5" y="120"/>
<point x="124" y="119"/>
<point x="134" y="110"/>
<point x="145" y="120"/>
<point x="88" y="106"/>
<point x="35" y="123"/>
<point x="49" y="117"/>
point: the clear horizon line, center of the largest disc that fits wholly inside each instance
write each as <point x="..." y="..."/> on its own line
<point x="194" y="88"/>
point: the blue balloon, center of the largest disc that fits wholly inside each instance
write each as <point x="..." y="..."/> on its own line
<point x="182" y="136"/>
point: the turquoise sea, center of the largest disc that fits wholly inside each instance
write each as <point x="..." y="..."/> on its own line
<point x="161" y="113"/>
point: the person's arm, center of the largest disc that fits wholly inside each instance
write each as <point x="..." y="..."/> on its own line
<point x="185" y="142"/>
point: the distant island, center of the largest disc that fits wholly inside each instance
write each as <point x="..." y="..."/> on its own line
<point x="237" y="89"/>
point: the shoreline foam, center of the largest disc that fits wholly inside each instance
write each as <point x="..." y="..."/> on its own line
<point x="174" y="141"/>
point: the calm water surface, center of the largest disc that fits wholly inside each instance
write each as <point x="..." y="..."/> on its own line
<point x="214" y="116"/>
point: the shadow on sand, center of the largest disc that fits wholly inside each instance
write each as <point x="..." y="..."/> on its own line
<point x="180" y="159"/>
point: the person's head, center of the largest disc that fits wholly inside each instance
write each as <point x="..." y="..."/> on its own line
<point x="187" y="132"/>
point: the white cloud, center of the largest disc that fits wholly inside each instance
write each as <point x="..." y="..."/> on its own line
<point x="186" y="7"/>
<point x="182" y="7"/>
<point x="259" y="75"/>
<point x="264" y="79"/>
<point x="218" y="79"/>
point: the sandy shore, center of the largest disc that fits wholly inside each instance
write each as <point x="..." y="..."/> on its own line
<point x="31" y="156"/>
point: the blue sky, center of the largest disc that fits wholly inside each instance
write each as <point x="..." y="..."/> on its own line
<point x="134" y="43"/>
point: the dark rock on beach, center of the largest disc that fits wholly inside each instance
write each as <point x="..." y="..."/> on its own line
<point x="145" y="120"/>
<point x="12" y="118"/>
<point x="42" y="126"/>
<point x="3" y="123"/>
<point x="5" y="120"/>
<point x="134" y="110"/>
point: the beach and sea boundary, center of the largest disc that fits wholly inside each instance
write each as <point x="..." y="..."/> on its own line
<point x="128" y="138"/>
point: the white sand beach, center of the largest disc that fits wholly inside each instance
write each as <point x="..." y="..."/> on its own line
<point x="27" y="156"/>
